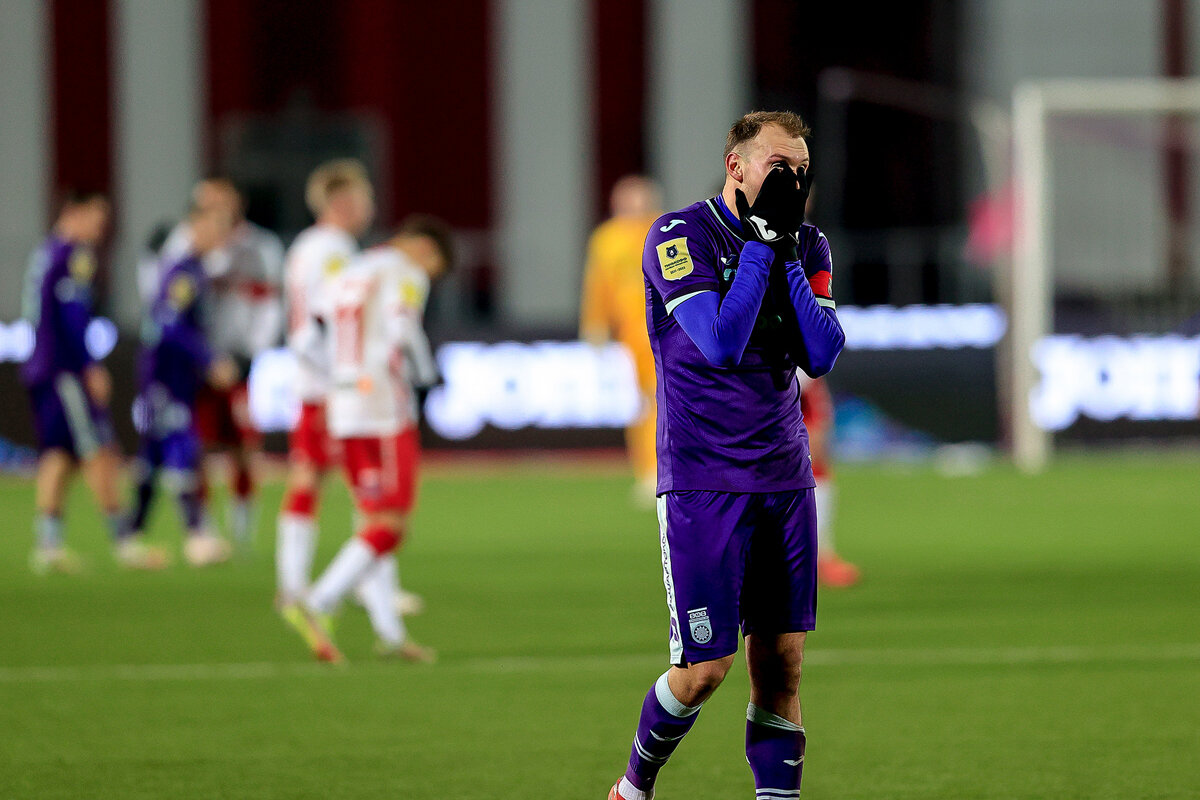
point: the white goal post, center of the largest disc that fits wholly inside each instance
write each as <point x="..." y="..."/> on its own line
<point x="1029" y="297"/>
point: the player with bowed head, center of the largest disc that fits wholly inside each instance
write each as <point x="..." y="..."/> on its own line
<point x="379" y="362"/>
<point x="738" y="297"/>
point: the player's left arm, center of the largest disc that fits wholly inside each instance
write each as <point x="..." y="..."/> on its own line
<point x="410" y="295"/>
<point x="810" y="291"/>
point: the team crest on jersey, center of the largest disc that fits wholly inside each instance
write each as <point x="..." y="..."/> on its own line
<point x="674" y="259"/>
<point x="82" y="266"/>
<point x="700" y="625"/>
<point x="334" y="265"/>
<point x="181" y="292"/>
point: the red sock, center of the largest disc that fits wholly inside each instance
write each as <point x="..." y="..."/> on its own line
<point x="380" y="538"/>
<point x="301" y="502"/>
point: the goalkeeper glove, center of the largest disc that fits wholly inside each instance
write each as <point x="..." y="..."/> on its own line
<point x="777" y="213"/>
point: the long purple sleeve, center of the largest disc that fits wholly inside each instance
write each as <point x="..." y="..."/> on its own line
<point x="820" y="333"/>
<point x="720" y="328"/>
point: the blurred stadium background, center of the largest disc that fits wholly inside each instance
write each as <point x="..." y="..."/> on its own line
<point x="1013" y="637"/>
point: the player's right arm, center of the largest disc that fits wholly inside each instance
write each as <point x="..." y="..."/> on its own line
<point x="684" y="271"/>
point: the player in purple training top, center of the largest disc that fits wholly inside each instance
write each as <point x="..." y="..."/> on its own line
<point x="68" y="389"/>
<point x="737" y="297"/>
<point x="176" y="360"/>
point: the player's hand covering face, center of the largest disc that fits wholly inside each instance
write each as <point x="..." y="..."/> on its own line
<point x="778" y="211"/>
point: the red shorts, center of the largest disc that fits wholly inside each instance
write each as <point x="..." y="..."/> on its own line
<point x="382" y="471"/>
<point x="223" y="417"/>
<point x="310" y="442"/>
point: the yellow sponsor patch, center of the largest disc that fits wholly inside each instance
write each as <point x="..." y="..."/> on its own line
<point x="334" y="265"/>
<point x="82" y="266"/>
<point x="411" y="295"/>
<point x="674" y="259"/>
<point x="181" y="292"/>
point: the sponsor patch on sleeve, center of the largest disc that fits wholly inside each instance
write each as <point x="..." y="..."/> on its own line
<point x="82" y="266"/>
<point x="334" y="265"/>
<point x="411" y="295"/>
<point x="674" y="259"/>
<point x="181" y="292"/>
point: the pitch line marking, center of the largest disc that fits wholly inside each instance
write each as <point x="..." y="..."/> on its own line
<point x="950" y="656"/>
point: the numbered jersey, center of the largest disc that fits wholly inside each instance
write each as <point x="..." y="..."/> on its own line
<point x="376" y="348"/>
<point x="317" y="257"/>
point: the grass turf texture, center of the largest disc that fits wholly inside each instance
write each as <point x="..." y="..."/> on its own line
<point x="1013" y="638"/>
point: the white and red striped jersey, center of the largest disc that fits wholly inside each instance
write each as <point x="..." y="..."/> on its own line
<point x="377" y="348"/>
<point x="317" y="257"/>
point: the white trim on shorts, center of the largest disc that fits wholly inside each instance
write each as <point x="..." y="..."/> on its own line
<point x="78" y="414"/>
<point x="676" y="646"/>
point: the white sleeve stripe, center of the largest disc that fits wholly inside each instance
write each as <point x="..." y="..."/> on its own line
<point x="825" y="302"/>
<point x="674" y="304"/>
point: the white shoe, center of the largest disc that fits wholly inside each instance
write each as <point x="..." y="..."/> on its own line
<point x="409" y="604"/>
<point x="61" y="559"/>
<point x="133" y="553"/>
<point x="205" y="549"/>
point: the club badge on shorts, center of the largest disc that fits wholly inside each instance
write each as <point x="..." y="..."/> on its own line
<point x="700" y="626"/>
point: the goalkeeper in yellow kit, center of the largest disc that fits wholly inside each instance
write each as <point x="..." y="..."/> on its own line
<point x="614" y="307"/>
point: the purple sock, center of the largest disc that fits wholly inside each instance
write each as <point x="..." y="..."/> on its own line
<point x="663" y="724"/>
<point x="775" y="750"/>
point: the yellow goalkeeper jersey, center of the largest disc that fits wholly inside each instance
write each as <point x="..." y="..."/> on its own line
<point x="614" y="294"/>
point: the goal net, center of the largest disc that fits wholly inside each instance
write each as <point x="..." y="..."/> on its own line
<point x="1104" y="295"/>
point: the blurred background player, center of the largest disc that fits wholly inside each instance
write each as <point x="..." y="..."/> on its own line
<point x="243" y="317"/>
<point x="176" y="360"/>
<point x="379" y="358"/>
<point x="614" y="308"/>
<point x="69" y="390"/>
<point x="816" y="406"/>
<point x="340" y="197"/>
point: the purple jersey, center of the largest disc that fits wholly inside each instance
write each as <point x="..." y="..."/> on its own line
<point x="175" y="352"/>
<point x="728" y="429"/>
<point x="58" y="304"/>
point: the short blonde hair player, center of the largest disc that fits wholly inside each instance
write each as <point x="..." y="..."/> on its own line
<point x="341" y="199"/>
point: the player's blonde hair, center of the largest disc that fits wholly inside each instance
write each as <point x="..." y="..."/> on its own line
<point x="749" y="126"/>
<point x="331" y="178"/>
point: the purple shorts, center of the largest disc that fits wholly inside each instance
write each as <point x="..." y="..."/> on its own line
<point x="177" y="451"/>
<point x="66" y="419"/>
<point x="733" y="560"/>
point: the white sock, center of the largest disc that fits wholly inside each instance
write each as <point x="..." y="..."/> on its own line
<point x="295" y="546"/>
<point x="630" y="792"/>
<point x="348" y="568"/>
<point x="824" y="494"/>
<point x="378" y="590"/>
<point x="241" y="513"/>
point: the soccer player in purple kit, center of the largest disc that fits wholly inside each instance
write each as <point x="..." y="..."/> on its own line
<point x="738" y="296"/>
<point x="69" y="390"/>
<point x="175" y="362"/>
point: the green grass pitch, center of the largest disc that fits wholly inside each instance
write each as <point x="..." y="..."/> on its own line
<point x="1014" y="637"/>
